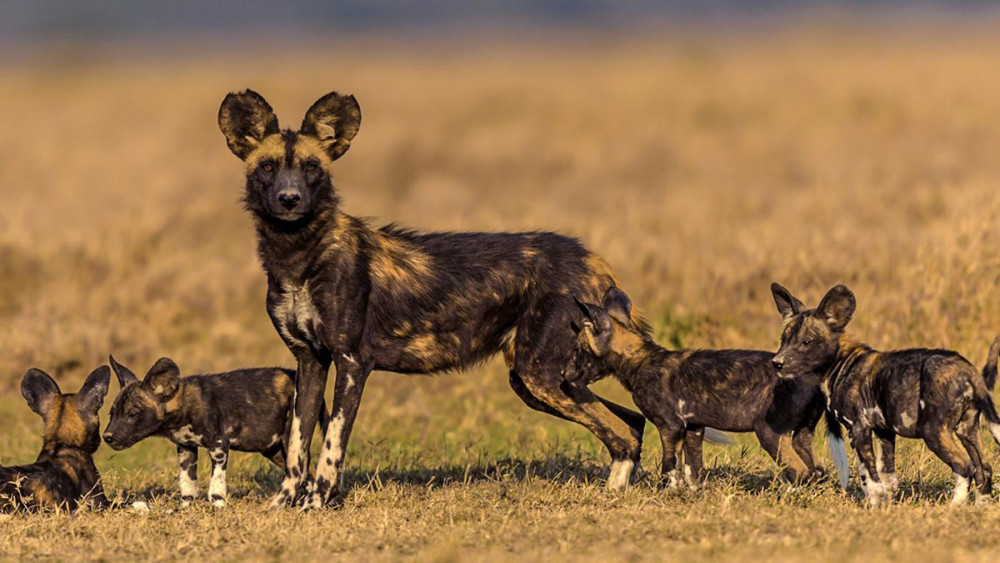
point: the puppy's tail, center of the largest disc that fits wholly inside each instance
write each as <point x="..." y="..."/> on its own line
<point x="718" y="437"/>
<point x="984" y="402"/>
<point x="835" y="441"/>
<point x="990" y="367"/>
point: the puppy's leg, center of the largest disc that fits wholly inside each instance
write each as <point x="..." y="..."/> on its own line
<point x="217" y="486"/>
<point x="671" y="438"/>
<point x="886" y="462"/>
<point x="941" y="440"/>
<point x="968" y="435"/>
<point x="693" y="439"/>
<point x="781" y="450"/>
<point x="861" y="441"/>
<point x="802" y="443"/>
<point x="187" y="458"/>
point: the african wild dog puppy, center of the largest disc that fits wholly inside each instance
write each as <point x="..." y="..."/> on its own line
<point x="64" y="475"/>
<point x="244" y="410"/>
<point x="342" y="293"/>
<point x="683" y="391"/>
<point x="936" y="395"/>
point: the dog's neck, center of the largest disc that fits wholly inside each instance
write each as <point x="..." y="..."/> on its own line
<point x="63" y="454"/>
<point x="293" y="247"/>
<point x="177" y="411"/>
<point x="649" y="362"/>
<point x="849" y="351"/>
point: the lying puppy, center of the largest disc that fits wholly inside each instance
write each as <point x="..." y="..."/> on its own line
<point x="244" y="410"/>
<point x="684" y="391"/>
<point x="64" y="475"/>
<point x="936" y="395"/>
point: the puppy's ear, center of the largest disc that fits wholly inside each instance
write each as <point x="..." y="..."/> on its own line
<point x="245" y="118"/>
<point x="334" y="120"/>
<point x="164" y="378"/>
<point x="125" y="375"/>
<point x="787" y="304"/>
<point x="91" y="395"/>
<point x="618" y="306"/>
<point x="39" y="390"/>
<point x="837" y="307"/>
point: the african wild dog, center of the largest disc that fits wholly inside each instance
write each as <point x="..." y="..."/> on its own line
<point x="936" y="395"/>
<point x="683" y="391"/>
<point x="345" y="294"/>
<point x="244" y="410"/>
<point x="64" y="473"/>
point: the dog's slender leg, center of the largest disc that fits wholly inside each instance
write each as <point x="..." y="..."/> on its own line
<point x="941" y="440"/>
<point x="886" y="463"/>
<point x="968" y="435"/>
<point x="310" y="383"/>
<point x="780" y="448"/>
<point x="671" y="441"/>
<point x="217" y="486"/>
<point x="861" y="442"/>
<point x="802" y="443"/>
<point x="693" y="439"/>
<point x="350" y="383"/>
<point x="187" y="459"/>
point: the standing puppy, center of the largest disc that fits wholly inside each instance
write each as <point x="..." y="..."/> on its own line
<point x="936" y="395"/>
<point x="684" y="391"/>
<point x="64" y="475"/>
<point x="244" y="410"/>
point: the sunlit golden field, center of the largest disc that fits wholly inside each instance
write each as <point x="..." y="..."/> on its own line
<point x="701" y="168"/>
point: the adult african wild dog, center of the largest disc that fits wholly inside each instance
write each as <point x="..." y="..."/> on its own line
<point x="244" y="410"/>
<point x="683" y="391"/>
<point x="64" y="475"/>
<point x="345" y="294"/>
<point x="936" y="395"/>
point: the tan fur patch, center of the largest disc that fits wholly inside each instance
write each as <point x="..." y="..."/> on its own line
<point x="398" y="263"/>
<point x="307" y="147"/>
<point x="64" y="423"/>
<point x="271" y="147"/>
<point x="625" y="342"/>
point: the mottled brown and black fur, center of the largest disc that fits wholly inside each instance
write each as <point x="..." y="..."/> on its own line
<point x="244" y="410"/>
<point x="64" y="475"/>
<point x="684" y="391"/>
<point x="342" y="293"/>
<point x="934" y="395"/>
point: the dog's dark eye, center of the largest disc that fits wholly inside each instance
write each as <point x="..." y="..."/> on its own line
<point x="807" y="342"/>
<point x="311" y="166"/>
<point x="267" y="167"/>
<point x="133" y="415"/>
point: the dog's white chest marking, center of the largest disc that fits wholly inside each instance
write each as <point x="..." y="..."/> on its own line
<point x="297" y="316"/>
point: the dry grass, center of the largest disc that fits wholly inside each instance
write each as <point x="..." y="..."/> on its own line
<point x="701" y="169"/>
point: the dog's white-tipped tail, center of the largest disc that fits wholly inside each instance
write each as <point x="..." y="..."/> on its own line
<point x="718" y="437"/>
<point x="839" y="455"/>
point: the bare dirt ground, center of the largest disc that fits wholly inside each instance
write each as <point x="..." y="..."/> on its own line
<point x="701" y="169"/>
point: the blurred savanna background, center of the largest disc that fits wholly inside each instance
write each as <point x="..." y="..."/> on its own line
<point x="704" y="150"/>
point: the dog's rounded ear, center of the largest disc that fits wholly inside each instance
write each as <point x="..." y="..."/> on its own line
<point x="91" y="396"/>
<point x="39" y="390"/>
<point x="245" y="118"/>
<point x="125" y="375"/>
<point x="592" y="315"/>
<point x="787" y="304"/>
<point x="618" y="305"/>
<point x="837" y="307"/>
<point x="164" y="378"/>
<point x="334" y="120"/>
